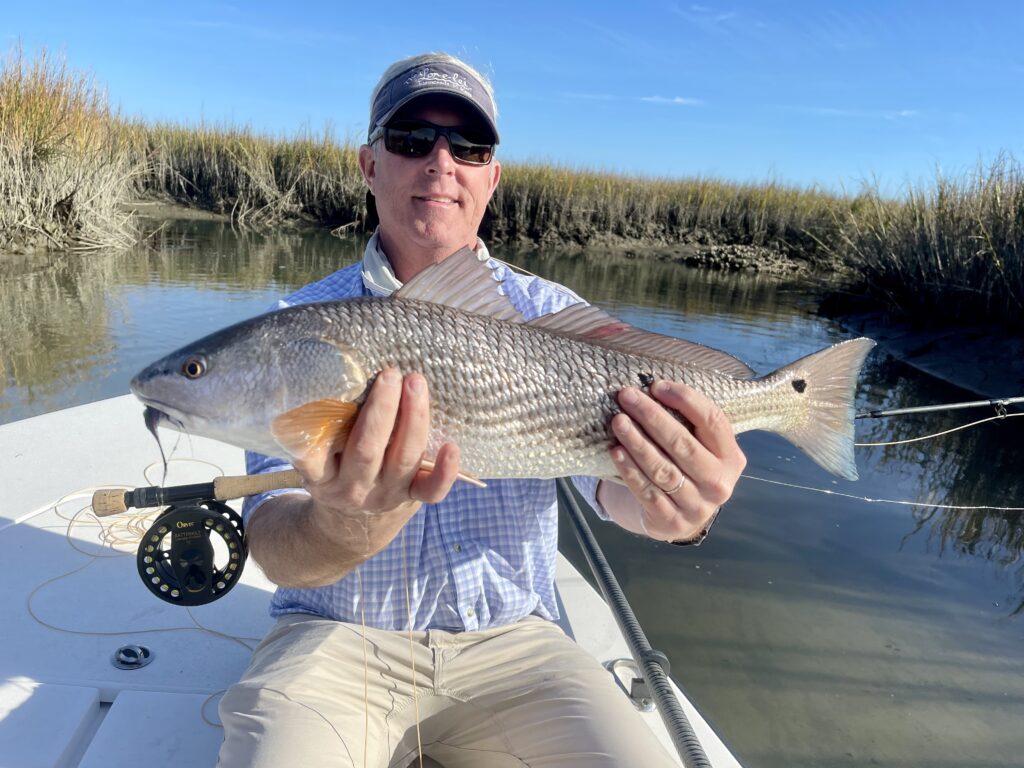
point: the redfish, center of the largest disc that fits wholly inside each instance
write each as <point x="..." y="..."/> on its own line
<point x="521" y="398"/>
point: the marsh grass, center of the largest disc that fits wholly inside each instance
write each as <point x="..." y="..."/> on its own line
<point x="545" y="204"/>
<point x="951" y="251"/>
<point x="263" y="181"/>
<point x="64" y="171"/>
<point x="260" y="181"/>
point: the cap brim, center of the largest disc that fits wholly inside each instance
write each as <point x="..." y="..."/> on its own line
<point x="419" y="94"/>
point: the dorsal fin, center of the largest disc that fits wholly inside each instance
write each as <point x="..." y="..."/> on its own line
<point x="596" y="326"/>
<point x="463" y="282"/>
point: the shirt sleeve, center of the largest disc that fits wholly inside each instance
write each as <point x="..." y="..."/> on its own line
<point x="258" y="464"/>
<point x="587" y="486"/>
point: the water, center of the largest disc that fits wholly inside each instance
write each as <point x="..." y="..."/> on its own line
<point x="811" y="629"/>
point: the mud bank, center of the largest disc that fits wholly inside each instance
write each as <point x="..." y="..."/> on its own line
<point x="985" y="360"/>
<point x="158" y="207"/>
<point x="766" y="260"/>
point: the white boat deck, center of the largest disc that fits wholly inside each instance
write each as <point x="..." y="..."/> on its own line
<point x="70" y="599"/>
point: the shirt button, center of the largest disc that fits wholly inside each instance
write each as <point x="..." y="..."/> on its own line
<point x="470" y="612"/>
<point x="457" y="547"/>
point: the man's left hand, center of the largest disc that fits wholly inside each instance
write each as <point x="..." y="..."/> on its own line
<point x="677" y="476"/>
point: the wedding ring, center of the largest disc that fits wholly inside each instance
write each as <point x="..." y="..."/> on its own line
<point x="682" y="480"/>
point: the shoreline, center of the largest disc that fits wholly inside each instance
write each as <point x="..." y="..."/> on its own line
<point x="987" y="360"/>
<point x="698" y="249"/>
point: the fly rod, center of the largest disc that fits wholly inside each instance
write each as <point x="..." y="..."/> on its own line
<point x="998" y="403"/>
<point x="113" y="501"/>
<point x="653" y="665"/>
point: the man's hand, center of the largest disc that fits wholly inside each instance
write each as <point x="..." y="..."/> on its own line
<point x="675" y="478"/>
<point x="361" y="493"/>
<point x="375" y="479"/>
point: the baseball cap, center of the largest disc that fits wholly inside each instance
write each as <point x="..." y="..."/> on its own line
<point x="432" y="77"/>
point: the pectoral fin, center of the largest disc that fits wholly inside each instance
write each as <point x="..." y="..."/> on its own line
<point x="312" y="429"/>
<point x="309" y="431"/>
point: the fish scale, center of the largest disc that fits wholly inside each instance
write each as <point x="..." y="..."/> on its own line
<point x="524" y="402"/>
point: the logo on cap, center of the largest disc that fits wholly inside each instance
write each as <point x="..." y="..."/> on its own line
<point x="426" y="77"/>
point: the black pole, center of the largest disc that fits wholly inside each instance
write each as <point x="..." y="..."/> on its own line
<point x="158" y="496"/>
<point x="653" y="665"/>
<point x="996" y="403"/>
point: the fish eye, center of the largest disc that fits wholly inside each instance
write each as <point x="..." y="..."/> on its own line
<point x="193" y="368"/>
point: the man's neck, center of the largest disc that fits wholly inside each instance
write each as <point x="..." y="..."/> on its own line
<point x="408" y="260"/>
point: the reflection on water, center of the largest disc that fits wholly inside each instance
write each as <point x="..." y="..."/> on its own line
<point x="977" y="466"/>
<point x="54" y="327"/>
<point x="75" y="327"/>
<point x="813" y="630"/>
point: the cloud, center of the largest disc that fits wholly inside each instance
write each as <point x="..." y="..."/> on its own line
<point x="703" y="16"/>
<point x="674" y="100"/>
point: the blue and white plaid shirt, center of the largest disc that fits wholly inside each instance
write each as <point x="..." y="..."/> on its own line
<point x="481" y="558"/>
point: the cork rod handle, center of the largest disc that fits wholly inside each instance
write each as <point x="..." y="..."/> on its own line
<point x="112" y="501"/>
<point x="225" y="488"/>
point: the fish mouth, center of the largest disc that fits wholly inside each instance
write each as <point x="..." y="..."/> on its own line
<point x="157" y="413"/>
<point x="154" y="417"/>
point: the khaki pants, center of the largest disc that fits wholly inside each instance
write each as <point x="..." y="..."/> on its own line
<point x="519" y="695"/>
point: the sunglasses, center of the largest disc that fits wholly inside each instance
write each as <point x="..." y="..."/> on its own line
<point x="416" y="138"/>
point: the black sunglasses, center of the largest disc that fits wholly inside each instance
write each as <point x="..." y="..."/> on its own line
<point x="416" y="138"/>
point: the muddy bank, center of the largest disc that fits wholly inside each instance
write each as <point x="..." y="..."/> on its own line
<point x="165" y="208"/>
<point x="985" y="360"/>
<point x="698" y="249"/>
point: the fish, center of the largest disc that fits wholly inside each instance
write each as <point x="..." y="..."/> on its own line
<point x="521" y="398"/>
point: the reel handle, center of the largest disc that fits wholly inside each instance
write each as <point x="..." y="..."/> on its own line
<point x="113" y="501"/>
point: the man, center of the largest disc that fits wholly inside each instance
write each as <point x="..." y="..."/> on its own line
<point x="416" y="612"/>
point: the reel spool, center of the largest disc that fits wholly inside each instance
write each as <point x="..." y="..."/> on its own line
<point x="193" y="553"/>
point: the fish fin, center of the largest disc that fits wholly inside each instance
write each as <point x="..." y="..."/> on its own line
<point x="314" y="427"/>
<point x="829" y="380"/>
<point x="596" y="326"/>
<point x="463" y="282"/>
<point x="428" y="465"/>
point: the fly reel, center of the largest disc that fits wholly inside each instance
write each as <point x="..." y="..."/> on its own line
<point x="193" y="553"/>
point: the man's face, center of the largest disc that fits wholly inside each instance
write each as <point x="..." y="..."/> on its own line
<point x="428" y="204"/>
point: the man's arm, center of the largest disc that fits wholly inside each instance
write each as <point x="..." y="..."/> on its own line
<point x="657" y="452"/>
<point x="358" y="499"/>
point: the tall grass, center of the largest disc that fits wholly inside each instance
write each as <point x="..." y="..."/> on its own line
<point x="258" y="180"/>
<point x="538" y="204"/>
<point x="952" y="251"/>
<point x="64" y="171"/>
<point x="262" y="180"/>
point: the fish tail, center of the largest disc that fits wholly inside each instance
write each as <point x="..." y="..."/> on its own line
<point x="827" y="382"/>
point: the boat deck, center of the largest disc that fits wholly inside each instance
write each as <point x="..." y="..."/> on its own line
<point x="72" y="597"/>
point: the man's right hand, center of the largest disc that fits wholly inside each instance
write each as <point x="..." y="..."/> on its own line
<point x="361" y="493"/>
<point x="375" y="479"/>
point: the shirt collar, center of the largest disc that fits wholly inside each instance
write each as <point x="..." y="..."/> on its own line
<point x="378" y="276"/>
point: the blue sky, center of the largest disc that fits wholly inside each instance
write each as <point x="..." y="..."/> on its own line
<point x="800" y="92"/>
